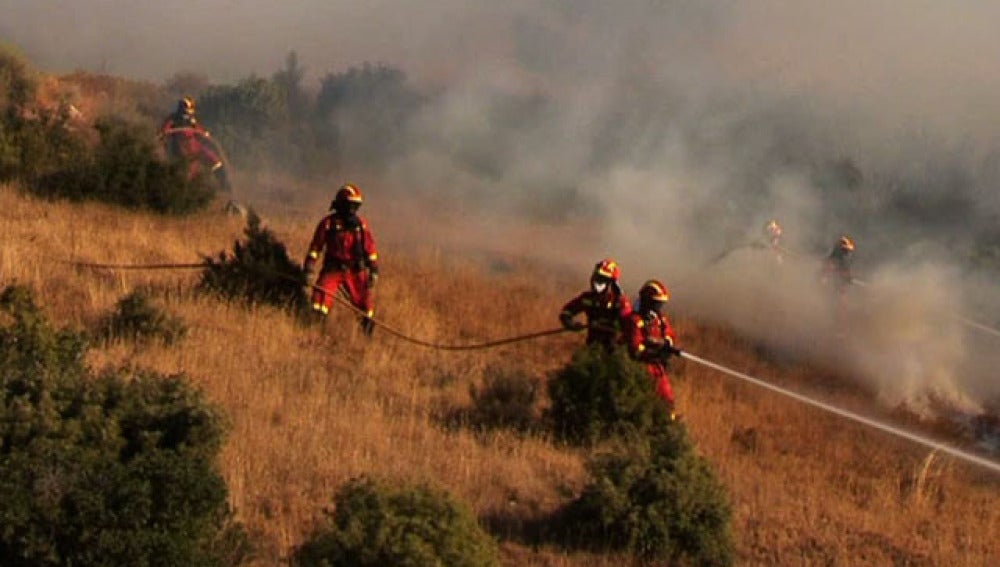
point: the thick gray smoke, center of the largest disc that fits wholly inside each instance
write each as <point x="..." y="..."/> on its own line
<point x="682" y="126"/>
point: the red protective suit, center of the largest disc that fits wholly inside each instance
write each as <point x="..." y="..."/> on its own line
<point x="350" y="261"/>
<point x="648" y="333"/>
<point x="186" y="139"/>
<point x="607" y="313"/>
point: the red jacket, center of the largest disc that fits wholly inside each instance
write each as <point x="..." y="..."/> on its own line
<point x="606" y="314"/>
<point x="348" y="242"/>
<point x="647" y="333"/>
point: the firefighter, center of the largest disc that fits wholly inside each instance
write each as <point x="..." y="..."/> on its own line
<point x="350" y="262"/>
<point x="651" y="338"/>
<point x="772" y="240"/>
<point x="836" y="274"/>
<point x="187" y="139"/>
<point x="836" y="270"/>
<point x="605" y="306"/>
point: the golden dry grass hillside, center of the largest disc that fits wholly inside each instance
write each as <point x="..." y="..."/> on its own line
<point x="308" y="410"/>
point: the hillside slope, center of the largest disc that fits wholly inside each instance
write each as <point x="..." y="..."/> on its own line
<point x="310" y="409"/>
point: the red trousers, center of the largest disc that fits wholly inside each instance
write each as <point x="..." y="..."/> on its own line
<point x="354" y="284"/>
<point x="658" y="374"/>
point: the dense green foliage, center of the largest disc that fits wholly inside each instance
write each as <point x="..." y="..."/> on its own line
<point x="125" y="169"/>
<point x="655" y="498"/>
<point x="375" y="525"/>
<point x="135" y="318"/>
<point x="599" y="395"/>
<point x="112" y="469"/>
<point x="257" y="271"/>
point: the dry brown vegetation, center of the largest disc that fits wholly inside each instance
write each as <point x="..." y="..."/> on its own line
<point x="310" y="409"/>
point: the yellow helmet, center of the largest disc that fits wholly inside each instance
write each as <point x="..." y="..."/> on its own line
<point x="772" y="228"/>
<point x="607" y="269"/>
<point x="349" y="194"/>
<point x="186" y="105"/>
<point x="846" y="244"/>
<point x="654" y="290"/>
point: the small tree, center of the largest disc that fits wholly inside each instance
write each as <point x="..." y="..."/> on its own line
<point x="655" y="498"/>
<point x="375" y="525"/>
<point x="599" y="395"/>
<point x="135" y="318"/>
<point x="258" y="270"/>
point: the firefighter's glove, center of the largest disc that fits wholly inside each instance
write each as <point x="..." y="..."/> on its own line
<point x="569" y="324"/>
<point x="372" y="277"/>
<point x="670" y="350"/>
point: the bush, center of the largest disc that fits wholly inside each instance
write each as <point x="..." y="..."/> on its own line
<point x="116" y="469"/>
<point x="136" y="319"/>
<point x="34" y="141"/>
<point x="505" y="399"/>
<point x="375" y="525"/>
<point x="17" y="79"/>
<point x="600" y="395"/>
<point x="125" y="170"/>
<point x="657" y="499"/>
<point x="258" y="271"/>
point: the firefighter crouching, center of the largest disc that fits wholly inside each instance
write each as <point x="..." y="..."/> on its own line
<point x="605" y="306"/>
<point x="187" y="139"/>
<point x="350" y="262"/>
<point x="651" y="338"/>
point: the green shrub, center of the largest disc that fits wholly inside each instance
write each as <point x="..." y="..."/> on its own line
<point x="135" y="318"/>
<point x="506" y="399"/>
<point x="125" y="169"/>
<point x="258" y="271"/>
<point x="375" y="525"/>
<point x="656" y="499"/>
<point x="115" y="469"/>
<point x="599" y="395"/>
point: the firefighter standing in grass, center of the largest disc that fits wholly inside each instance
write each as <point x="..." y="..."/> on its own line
<point x="651" y="338"/>
<point x="187" y="139"/>
<point x="604" y="305"/>
<point x="350" y="262"/>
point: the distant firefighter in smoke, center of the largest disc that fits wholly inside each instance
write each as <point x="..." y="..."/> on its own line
<point x="772" y="240"/>
<point x="836" y="271"/>
<point x="604" y="305"/>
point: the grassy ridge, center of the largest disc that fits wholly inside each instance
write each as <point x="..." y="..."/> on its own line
<point x="308" y="410"/>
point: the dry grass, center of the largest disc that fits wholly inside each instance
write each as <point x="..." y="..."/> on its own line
<point x="309" y="409"/>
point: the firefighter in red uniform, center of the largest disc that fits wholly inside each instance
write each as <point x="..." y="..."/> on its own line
<point x="604" y="305"/>
<point x="772" y="240"/>
<point x="350" y="262"/>
<point x="837" y="267"/>
<point x="187" y="139"/>
<point x="651" y="338"/>
<point x="836" y="273"/>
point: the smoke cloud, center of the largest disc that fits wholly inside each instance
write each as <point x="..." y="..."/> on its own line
<point x="681" y="127"/>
